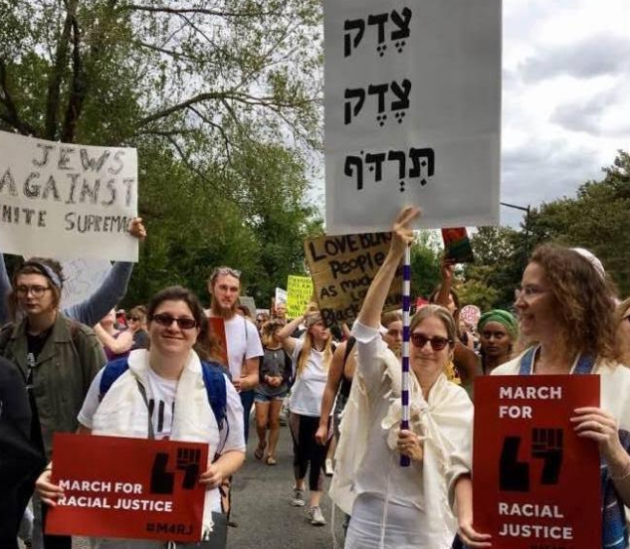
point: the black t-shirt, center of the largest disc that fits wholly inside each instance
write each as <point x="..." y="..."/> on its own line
<point x="34" y="345"/>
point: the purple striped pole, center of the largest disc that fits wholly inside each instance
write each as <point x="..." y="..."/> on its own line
<point x="405" y="461"/>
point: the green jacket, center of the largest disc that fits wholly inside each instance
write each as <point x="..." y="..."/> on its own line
<point x="65" y="368"/>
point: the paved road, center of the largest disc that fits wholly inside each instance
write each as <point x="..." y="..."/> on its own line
<point x="262" y="509"/>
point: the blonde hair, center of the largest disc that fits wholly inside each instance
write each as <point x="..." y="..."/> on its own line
<point x="308" y="346"/>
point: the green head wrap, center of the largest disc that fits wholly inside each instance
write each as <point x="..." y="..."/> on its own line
<point x="505" y="318"/>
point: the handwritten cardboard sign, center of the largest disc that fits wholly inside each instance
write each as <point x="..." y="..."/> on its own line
<point x="64" y="200"/>
<point x="82" y="278"/>
<point x="299" y="295"/>
<point x="128" y="488"/>
<point x="528" y="463"/>
<point x="412" y="112"/>
<point x="342" y="268"/>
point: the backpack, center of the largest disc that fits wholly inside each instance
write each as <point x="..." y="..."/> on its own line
<point x="213" y="379"/>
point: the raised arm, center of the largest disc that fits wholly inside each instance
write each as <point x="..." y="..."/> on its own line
<point x="284" y="334"/>
<point x="402" y="236"/>
<point x="113" y="289"/>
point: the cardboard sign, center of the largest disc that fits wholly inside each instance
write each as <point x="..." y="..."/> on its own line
<point x="528" y="463"/>
<point x="457" y="245"/>
<point x="128" y="488"/>
<point x="343" y="267"/>
<point x="299" y="295"/>
<point x="412" y="112"/>
<point x="216" y="325"/>
<point x="64" y="200"/>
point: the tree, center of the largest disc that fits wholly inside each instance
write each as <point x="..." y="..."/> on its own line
<point x="221" y="99"/>
<point x="425" y="264"/>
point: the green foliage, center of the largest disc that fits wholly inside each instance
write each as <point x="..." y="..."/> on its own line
<point x="596" y="219"/>
<point x="221" y="100"/>
<point x="425" y="264"/>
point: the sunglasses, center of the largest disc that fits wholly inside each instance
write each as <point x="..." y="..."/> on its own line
<point x="166" y="320"/>
<point x="223" y="271"/>
<point x="437" y="343"/>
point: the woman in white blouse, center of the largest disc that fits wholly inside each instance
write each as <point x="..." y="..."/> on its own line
<point x="393" y="506"/>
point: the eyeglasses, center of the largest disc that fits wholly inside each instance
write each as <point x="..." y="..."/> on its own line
<point x="37" y="291"/>
<point x="437" y="343"/>
<point x="166" y="320"/>
<point x="528" y="292"/>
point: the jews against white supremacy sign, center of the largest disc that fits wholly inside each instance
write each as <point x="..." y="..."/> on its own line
<point x="67" y="200"/>
<point x="412" y="112"/>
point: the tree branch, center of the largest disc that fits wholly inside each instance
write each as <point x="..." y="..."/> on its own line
<point x="195" y="11"/>
<point x="78" y="87"/>
<point x="54" y="87"/>
<point x="12" y="118"/>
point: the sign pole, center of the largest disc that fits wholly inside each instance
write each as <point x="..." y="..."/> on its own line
<point x="405" y="461"/>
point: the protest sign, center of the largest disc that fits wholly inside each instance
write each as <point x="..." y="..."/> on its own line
<point x="82" y="277"/>
<point x="248" y="302"/>
<point x="281" y="296"/>
<point x="299" y="295"/>
<point x="216" y="327"/>
<point x="470" y="314"/>
<point x="528" y="461"/>
<point x="66" y="200"/>
<point x="412" y="112"/>
<point x="343" y="267"/>
<point x="457" y="246"/>
<point x="128" y="488"/>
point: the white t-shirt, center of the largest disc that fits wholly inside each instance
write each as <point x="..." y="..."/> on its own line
<point x="308" y="389"/>
<point x="243" y="343"/>
<point x="161" y="397"/>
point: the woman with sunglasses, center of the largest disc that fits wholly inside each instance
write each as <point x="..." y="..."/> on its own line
<point x="167" y="379"/>
<point x="566" y="313"/>
<point x="57" y="357"/>
<point x="390" y="505"/>
<point x="622" y="321"/>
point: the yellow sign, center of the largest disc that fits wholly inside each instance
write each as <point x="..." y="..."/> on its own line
<point x="300" y="294"/>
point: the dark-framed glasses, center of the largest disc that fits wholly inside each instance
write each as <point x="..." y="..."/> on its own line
<point x="35" y="290"/>
<point x="437" y="342"/>
<point x="166" y="320"/>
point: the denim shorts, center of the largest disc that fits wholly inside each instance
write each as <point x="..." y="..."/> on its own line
<point x="264" y="398"/>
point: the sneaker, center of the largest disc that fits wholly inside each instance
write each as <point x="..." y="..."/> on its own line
<point x="316" y="516"/>
<point x="298" y="498"/>
<point x="329" y="468"/>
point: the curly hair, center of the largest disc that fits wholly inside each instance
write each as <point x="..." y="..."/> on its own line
<point x="584" y="301"/>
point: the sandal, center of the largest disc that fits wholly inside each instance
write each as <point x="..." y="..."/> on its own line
<point x="260" y="451"/>
<point x="271" y="460"/>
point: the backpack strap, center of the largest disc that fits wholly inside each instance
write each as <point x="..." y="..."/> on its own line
<point x="214" y="380"/>
<point x="112" y="371"/>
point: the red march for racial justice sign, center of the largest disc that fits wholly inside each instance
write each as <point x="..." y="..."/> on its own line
<point x="528" y="463"/>
<point x="128" y="488"/>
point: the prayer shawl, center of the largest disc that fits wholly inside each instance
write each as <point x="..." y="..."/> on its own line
<point x="445" y="425"/>
<point x="123" y="411"/>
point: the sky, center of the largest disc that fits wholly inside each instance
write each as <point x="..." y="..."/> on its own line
<point x="566" y="96"/>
